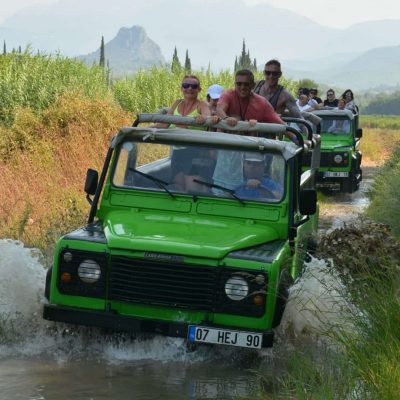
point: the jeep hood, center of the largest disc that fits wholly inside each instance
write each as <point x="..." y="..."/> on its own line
<point x="189" y="235"/>
<point x="336" y="144"/>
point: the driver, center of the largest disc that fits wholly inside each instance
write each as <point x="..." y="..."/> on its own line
<point x="256" y="185"/>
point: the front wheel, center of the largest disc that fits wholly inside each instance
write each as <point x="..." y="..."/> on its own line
<point x="48" y="281"/>
<point x="352" y="183"/>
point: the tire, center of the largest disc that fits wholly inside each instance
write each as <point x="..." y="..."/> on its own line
<point x="48" y="282"/>
<point x="283" y="293"/>
<point x="352" y="183"/>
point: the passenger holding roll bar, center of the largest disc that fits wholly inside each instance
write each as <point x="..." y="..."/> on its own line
<point x="241" y="104"/>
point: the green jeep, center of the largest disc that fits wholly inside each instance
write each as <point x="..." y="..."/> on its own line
<point x="340" y="166"/>
<point x="191" y="234"/>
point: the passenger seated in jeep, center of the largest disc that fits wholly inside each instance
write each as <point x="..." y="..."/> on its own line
<point x="340" y="125"/>
<point x="256" y="184"/>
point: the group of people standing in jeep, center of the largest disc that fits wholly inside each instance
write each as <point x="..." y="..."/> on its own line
<point x="262" y="101"/>
<point x="308" y="100"/>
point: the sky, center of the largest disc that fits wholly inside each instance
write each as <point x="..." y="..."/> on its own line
<point x="332" y="13"/>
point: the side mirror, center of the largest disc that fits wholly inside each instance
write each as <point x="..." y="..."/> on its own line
<point x="359" y="133"/>
<point x="92" y="179"/>
<point x="308" y="201"/>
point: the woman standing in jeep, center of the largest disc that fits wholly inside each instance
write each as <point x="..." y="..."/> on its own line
<point x="190" y="105"/>
<point x="348" y="97"/>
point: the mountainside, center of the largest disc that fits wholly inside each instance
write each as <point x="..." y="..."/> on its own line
<point x="74" y="27"/>
<point x="129" y="51"/>
<point x="378" y="68"/>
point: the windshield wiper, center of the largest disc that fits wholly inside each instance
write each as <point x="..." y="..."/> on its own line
<point x="213" y="185"/>
<point x="160" y="183"/>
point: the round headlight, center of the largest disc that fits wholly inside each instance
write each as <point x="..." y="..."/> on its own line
<point x="89" y="271"/>
<point x="236" y="288"/>
<point x="338" y="159"/>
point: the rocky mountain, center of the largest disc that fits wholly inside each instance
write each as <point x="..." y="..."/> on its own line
<point x="211" y="30"/>
<point x="129" y="51"/>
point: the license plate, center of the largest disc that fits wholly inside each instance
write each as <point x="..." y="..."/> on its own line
<point x="206" y="334"/>
<point x="331" y="174"/>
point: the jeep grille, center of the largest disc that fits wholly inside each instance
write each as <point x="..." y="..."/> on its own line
<point x="149" y="282"/>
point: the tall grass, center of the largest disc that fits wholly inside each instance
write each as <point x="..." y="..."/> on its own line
<point x="35" y="81"/>
<point x="42" y="195"/>
<point x="360" y="360"/>
<point x="155" y="88"/>
<point x="385" y="194"/>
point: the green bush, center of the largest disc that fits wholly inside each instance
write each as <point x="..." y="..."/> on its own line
<point x="385" y="194"/>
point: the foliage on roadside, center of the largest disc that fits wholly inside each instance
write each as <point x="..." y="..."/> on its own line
<point x="35" y="82"/>
<point x="386" y="122"/>
<point x="385" y="194"/>
<point x="43" y="163"/>
<point x="361" y="362"/>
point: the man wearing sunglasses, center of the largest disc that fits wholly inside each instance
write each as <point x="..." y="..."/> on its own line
<point x="241" y="104"/>
<point x="281" y="100"/>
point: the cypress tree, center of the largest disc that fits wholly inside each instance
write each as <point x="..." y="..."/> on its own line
<point x="176" y="64"/>
<point x="102" y="62"/>
<point x="244" y="61"/>
<point x="188" y="64"/>
<point x="4" y="48"/>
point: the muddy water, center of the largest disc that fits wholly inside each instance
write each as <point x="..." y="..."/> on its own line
<point x="44" y="361"/>
<point x="340" y="208"/>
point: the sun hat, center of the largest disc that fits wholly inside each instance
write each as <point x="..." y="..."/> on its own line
<point x="215" y="91"/>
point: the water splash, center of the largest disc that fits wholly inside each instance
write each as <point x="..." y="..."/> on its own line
<point x="315" y="300"/>
<point x="318" y="302"/>
<point x="21" y="289"/>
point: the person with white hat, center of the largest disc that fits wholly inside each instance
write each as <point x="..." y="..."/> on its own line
<point x="214" y="92"/>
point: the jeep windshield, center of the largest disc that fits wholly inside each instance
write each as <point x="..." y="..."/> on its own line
<point x="335" y="121"/>
<point x="200" y="171"/>
<point x="335" y="125"/>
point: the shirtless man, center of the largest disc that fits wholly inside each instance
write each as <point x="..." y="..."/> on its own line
<point x="280" y="99"/>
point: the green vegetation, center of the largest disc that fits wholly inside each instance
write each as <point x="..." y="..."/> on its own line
<point x="56" y="119"/>
<point x="383" y="104"/>
<point x="385" y="194"/>
<point x="391" y="122"/>
<point x="360" y="358"/>
<point x="35" y="81"/>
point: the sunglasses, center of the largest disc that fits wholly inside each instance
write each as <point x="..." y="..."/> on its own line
<point x="330" y="94"/>
<point x="190" y="85"/>
<point x="273" y="73"/>
<point x="245" y="84"/>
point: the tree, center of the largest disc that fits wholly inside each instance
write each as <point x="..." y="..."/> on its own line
<point x="4" y="48"/>
<point x="176" y="64"/>
<point x="102" y="62"/>
<point x="188" y="64"/>
<point x="244" y="61"/>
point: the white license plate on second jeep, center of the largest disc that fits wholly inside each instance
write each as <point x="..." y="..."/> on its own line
<point x="205" y="334"/>
<point x="333" y="174"/>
